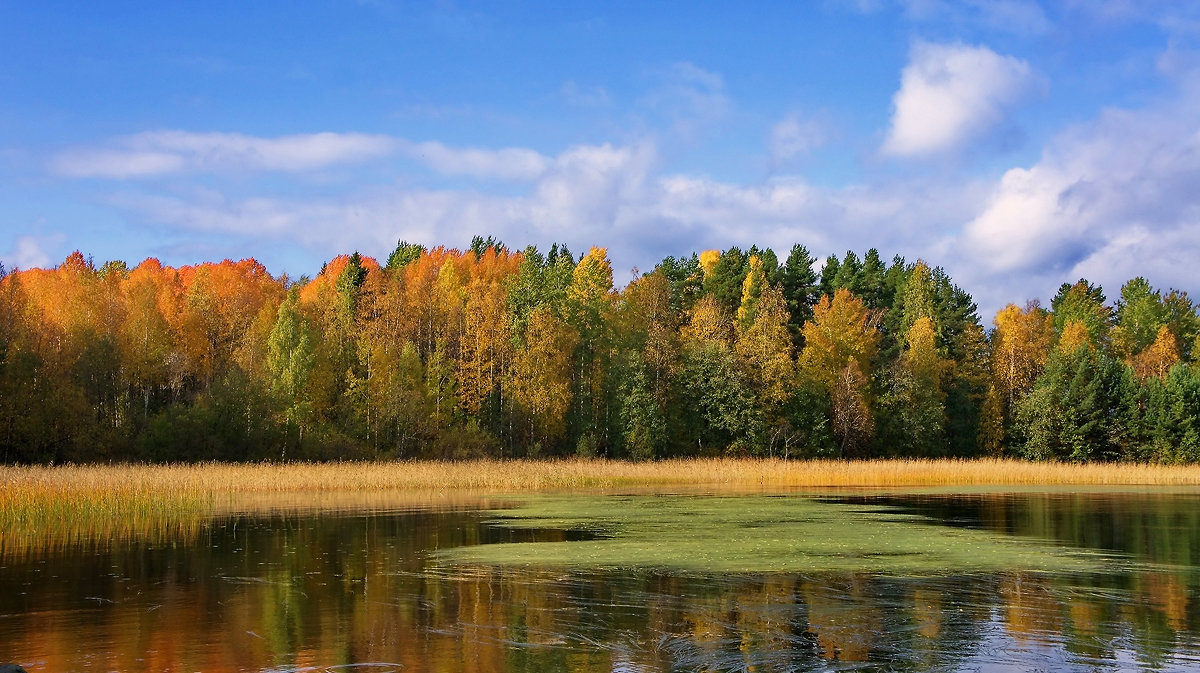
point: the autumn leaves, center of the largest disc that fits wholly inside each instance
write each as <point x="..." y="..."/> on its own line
<point x="444" y="353"/>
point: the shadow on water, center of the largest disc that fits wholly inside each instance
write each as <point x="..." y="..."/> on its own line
<point x="466" y="589"/>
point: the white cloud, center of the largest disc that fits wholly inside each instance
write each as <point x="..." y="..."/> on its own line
<point x="28" y="253"/>
<point x="688" y="97"/>
<point x="513" y="163"/>
<point x="1108" y="200"/>
<point x="1014" y="16"/>
<point x="584" y="96"/>
<point x="1022" y="17"/>
<point x="587" y="195"/>
<point x="165" y="152"/>
<point x="794" y="136"/>
<point x="952" y="93"/>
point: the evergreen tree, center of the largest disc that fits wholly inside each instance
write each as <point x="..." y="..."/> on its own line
<point x="686" y="281"/>
<point x="645" y="428"/>
<point x="480" y="245"/>
<point x="404" y="254"/>
<point x="1082" y="303"/>
<point x="829" y="272"/>
<point x="798" y="282"/>
<point x="849" y="275"/>
<point x="728" y="275"/>
<point x="1073" y="412"/>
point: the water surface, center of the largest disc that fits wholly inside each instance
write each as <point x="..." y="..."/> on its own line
<point x="907" y="582"/>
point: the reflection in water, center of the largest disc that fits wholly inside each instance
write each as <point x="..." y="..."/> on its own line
<point x="313" y="591"/>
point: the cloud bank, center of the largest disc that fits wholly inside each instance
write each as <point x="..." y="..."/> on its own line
<point x="1106" y="200"/>
<point x="160" y="153"/>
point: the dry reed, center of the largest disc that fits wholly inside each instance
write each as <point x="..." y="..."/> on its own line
<point x="65" y="504"/>
<point x="132" y="481"/>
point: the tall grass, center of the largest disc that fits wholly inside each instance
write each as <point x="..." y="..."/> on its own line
<point x="58" y="505"/>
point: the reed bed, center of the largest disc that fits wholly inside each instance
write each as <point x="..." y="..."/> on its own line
<point x="66" y="504"/>
<point x="142" y="486"/>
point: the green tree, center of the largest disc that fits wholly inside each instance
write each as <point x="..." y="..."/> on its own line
<point x="917" y="400"/>
<point x="686" y="281"/>
<point x="1082" y="303"/>
<point x="872" y="281"/>
<point x="1073" y="412"/>
<point x="727" y="277"/>
<point x="404" y="254"/>
<point x="1184" y="321"/>
<point x="798" y="282"/>
<point x="829" y="271"/>
<point x="290" y="359"/>
<point x="480" y="245"/>
<point x="1140" y="312"/>
<point x="645" y="428"/>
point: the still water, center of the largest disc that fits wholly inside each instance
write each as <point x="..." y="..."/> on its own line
<point x="1050" y="581"/>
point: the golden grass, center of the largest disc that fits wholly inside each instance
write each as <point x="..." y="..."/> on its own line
<point x="45" y="506"/>
<point x="107" y="485"/>
<point x="73" y="502"/>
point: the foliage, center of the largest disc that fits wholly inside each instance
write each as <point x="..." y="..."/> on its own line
<point x="447" y="354"/>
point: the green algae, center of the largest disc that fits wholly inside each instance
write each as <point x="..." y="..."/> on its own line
<point x="760" y="534"/>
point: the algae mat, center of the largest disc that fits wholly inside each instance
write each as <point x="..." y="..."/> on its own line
<point x="760" y="534"/>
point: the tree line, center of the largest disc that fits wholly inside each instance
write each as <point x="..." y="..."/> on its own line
<point x="445" y="353"/>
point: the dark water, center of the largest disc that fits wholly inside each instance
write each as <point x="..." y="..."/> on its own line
<point x="370" y="592"/>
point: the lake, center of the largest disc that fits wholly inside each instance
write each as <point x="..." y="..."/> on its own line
<point x="837" y="580"/>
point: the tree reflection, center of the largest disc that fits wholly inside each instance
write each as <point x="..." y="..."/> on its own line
<point x="290" y="593"/>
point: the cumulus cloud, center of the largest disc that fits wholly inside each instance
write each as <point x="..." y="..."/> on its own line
<point x="1107" y="200"/>
<point x="952" y="93"/>
<point x="161" y="153"/>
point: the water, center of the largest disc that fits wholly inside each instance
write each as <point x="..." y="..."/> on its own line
<point x="384" y="590"/>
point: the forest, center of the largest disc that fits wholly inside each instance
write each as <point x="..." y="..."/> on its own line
<point x="488" y="352"/>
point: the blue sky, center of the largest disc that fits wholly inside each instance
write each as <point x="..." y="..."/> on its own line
<point x="1018" y="144"/>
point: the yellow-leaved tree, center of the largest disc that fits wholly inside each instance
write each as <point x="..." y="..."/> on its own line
<point x="765" y="349"/>
<point x="918" y="392"/>
<point x="1020" y="346"/>
<point x="1159" y="357"/>
<point x="708" y="261"/>
<point x="840" y="342"/>
<point x="1075" y="335"/>
<point x="752" y="289"/>
<point x="540" y="378"/>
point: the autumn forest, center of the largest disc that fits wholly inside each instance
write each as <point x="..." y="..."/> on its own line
<point x="488" y="352"/>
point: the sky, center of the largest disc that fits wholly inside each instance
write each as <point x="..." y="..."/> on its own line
<point x="1017" y="144"/>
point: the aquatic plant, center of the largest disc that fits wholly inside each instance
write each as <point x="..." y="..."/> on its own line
<point x="757" y="534"/>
